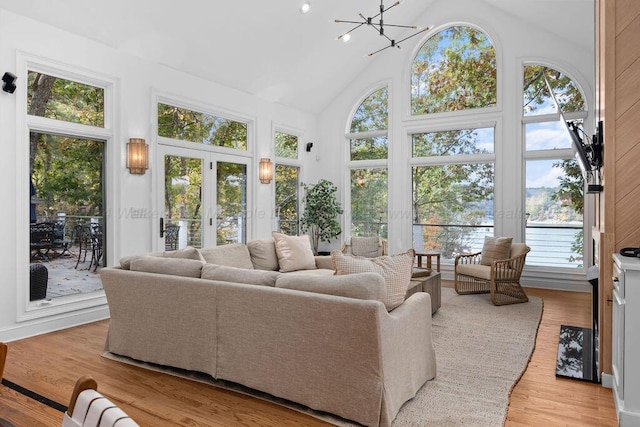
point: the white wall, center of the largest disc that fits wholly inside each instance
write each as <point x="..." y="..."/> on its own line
<point x="516" y="41"/>
<point x="135" y="82"/>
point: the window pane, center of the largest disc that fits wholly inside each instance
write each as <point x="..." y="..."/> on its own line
<point x="372" y="114"/>
<point x="183" y="201"/>
<point x="449" y="143"/>
<point x="287" y="199"/>
<point x="286" y="145"/>
<point x="369" y="202"/>
<point x="546" y="136"/>
<point x="454" y="70"/>
<point x="369" y="148"/>
<point x="554" y="207"/>
<point x="232" y="203"/>
<point x="65" y="100"/>
<point x="452" y="207"/>
<point x="538" y="99"/>
<point x="194" y="126"/>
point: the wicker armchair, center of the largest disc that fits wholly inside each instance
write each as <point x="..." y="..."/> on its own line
<point x="501" y="278"/>
<point x="368" y="247"/>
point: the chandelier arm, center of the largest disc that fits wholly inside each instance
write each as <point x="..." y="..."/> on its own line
<point x="401" y="26"/>
<point x="413" y="35"/>
<point x="340" y="21"/>
<point x="380" y="50"/>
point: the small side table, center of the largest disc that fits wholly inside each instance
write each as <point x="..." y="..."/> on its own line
<point x="429" y="255"/>
<point x="429" y="284"/>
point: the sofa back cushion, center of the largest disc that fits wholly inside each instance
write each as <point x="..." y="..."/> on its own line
<point x="172" y="266"/>
<point x="186" y="253"/>
<point x="367" y="286"/>
<point x="239" y="275"/>
<point x="396" y="270"/>
<point x="294" y="252"/>
<point x="263" y="254"/>
<point x="233" y="255"/>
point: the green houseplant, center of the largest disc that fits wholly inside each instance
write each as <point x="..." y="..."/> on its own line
<point x="321" y="209"/>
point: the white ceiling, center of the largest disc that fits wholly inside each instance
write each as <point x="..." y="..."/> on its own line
<point x="264" y="47"/>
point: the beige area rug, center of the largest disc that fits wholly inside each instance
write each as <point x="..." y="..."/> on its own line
<point x="481" y="352"/>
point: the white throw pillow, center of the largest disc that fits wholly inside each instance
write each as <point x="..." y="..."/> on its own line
<point x="396" y="270"/>
<point x="294" y="252"/>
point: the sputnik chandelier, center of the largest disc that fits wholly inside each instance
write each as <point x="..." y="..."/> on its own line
<point x="379" y="27"/>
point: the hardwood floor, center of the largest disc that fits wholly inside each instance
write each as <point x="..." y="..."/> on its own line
<point x="50" y="364"/>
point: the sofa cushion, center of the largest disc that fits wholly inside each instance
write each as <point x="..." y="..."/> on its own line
<point x="263" y="254"/>
<point x="186" y="253"/>
<point x="239" y="275"/>
<point x="367" y="286"/>
<point x="294" y="252"/>
<point x="396" y="270"/>
<point x="172" y="266"/>
<point x="495" y="249"/>
<point x="314" y="272"/>
<point x="474" y="270"/>
<point x="233" y="255"/>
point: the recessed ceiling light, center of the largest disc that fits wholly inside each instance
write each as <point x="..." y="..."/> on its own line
<point x="305" y="7"/>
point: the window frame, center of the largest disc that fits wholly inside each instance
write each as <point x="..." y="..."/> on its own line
<point x="26" y="123"/>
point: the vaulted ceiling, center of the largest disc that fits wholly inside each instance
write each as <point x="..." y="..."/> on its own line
<point x="267" y="47"/>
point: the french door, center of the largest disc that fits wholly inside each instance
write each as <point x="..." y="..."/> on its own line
<point x="202" y="198"/>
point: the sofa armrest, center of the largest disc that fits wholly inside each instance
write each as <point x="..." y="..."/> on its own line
<point x="408" y="356"/>
<point x="324" y="262"/>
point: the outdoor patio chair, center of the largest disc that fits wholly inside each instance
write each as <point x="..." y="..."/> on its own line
<point x="171" y="232"/>
<point x="89" y="408"/>
<point x="59" y="240"/>
<point x="42" y="237"/>
<point x="501" y="278"/>
<point x="368" y="247"/>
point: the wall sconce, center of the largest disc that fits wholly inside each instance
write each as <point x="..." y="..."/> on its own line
<point x="137" y="156"/>
<point x="265" y="171"/>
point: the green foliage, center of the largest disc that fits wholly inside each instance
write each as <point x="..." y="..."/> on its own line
<point x="286" y="145"/>
<point x="372" y="114"/>
<point x="287" y="198"/>
<point x="454" y="70"/>
<point x="188" y="125"/>
<point x="232" y="202"/>
<point x="321" y="209"/>
<point x="369" y="202"/>
<point x="536" y="90"/>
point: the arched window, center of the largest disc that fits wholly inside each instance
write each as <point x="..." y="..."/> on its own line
<point x="454" y="70"/>
<point x="368" y="141"/>
<point x="554" y="182"/>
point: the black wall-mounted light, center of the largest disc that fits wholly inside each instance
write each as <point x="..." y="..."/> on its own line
<point x="8" y="82"/>
<point x="309" y="145"/>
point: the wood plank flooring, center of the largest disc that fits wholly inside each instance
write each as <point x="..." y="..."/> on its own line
<point x="49" y="365"/>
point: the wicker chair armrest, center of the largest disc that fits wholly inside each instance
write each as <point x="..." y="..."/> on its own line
<point x="473" y="258"/>
<point x="509" y="268"/>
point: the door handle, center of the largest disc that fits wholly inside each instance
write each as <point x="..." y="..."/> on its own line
<point x="161" y="227"/>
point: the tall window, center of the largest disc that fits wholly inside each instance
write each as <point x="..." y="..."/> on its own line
<point x="368" y="152"/>
<point x="67" y="179"/>
<point x="554" y="183"/>
<point x="452" y="193"/>
<point x="287" y="203"/>
<point x="453" y="165"/>
<point x="454" y="70"/>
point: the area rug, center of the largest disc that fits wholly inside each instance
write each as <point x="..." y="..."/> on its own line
<point x="481" y="352"/>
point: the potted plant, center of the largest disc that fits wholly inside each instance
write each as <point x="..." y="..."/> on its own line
<point x="320" y="212"/>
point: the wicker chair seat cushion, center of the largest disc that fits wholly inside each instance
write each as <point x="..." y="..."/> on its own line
<point x="475" y="270"/>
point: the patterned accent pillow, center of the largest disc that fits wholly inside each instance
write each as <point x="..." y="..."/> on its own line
<point x="495" y="249"/>
<point x="395" y="269"/>
<point x="294" y="252"/>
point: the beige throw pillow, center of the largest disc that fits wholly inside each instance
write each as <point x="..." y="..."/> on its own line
<point x="294" y="252"/>
<point x="232" y="255"/>
<point x="495" y="249"/>
<point x="396" y="270"/>
<point x="263" y="254"/>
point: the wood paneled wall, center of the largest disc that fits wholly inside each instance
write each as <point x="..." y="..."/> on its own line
<point x="618" y="93"/>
